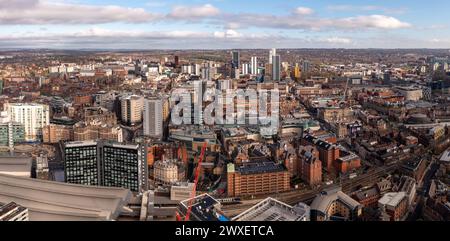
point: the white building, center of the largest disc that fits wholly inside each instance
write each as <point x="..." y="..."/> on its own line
<point x="254" y="65"/>
<point x="245" y="69"/>
<point x="153" y="118"/>
<point x="33" y="116"/>
<point x="132" y="107"/>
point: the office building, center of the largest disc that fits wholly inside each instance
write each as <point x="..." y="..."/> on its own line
<point x="55" y="133"/>
<point x="105" y="163"/>
<point x="80" y="163"/>
<point x="272" y="53"/>
<point x="11" y="133"/>
<point x="310" y="165"/>
<point x="255" y="178"/>
<point x="153" y="118"/>
<point x="235" y="59"/>
<point x="328" y="152"/>
<point x="33" y="116"/>
<point x="13" y="212"/>
<point x="297" y="71"/>
<point x="83" y="132"/>
<point x="387" y="78"/>
<point x="245" y="68"/>
<point x="276" y="68"/>
<point x="254" y="65"/>
<point x="131" y="109"/>
<point x="167" y="172"/>
<point x="306" y="66"/>
<point x="393" y="206"/>
<point x="347" y="162"/>
<point x="271" y="209"/>
<point x="181" y="191"/>
<point x="42" y="169"/>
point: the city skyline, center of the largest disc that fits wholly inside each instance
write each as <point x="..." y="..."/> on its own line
<point x="217" y="24"/>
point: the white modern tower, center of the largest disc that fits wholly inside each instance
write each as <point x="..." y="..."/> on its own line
<point x="254" y="65"/>
<point x="153" y="118"/>
<point x="33" y="116"/>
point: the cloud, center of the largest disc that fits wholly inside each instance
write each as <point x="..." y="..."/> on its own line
<point x="313" y="23"/>
<point x="18" y="4"/>
<point x="45" y="12"/>
<point x="355" y="8"/>
<point x="37" y="12"/>
<point x="338" y="40"/>
<point x="373" y="21"/>
<point x="230" y="33"/>
<point x="193" y="12"/>
<point x="100" y="38"/>
<point x="303" y="11"/>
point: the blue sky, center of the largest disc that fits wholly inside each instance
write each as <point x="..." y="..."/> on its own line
<point x="210" y="24"/>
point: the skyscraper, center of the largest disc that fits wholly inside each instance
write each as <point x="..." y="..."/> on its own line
<point x="235" y="59"/>
<point x="272" y="53"/>
<point x="153" y="118"/>
<point x="245" y="68"/>
<point x="103" y="163"/>
<point x="131" y="109"/>
<point x="276" y="68"/>
<point x="33" y="116"/>
<point x="306" y="67"/>
<point x="254" y="65"/>
<point x="176" y="60"/>
<point x="297" y="72"/>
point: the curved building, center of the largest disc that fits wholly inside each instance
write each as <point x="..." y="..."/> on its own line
<point x="56" y="201"/>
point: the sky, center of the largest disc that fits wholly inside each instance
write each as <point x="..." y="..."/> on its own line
<point x="224" y="24"/>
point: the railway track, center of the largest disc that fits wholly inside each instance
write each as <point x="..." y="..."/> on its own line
<point x="306" y="196"/>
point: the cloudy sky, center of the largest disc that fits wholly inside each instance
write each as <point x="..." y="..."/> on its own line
<point x="210" y="24"/>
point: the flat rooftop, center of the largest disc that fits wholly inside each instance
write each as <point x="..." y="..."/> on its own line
<point x="392" y="199"/>
<point x="260" y="167"/>
<point x="272" y="210"/>
<point x="204" y="208"/>
<point x="15" y="165"/>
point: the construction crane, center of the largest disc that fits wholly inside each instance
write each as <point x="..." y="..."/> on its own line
<point x="344" y="97"/>
<point x="194" y="189"/>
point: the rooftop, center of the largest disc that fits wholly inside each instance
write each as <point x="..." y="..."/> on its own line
<point x="15" y="165"/>
<point x="392" y="199"/>
<point x="204" y="208"/>
<point x="273" y="210"/>
<point x="9" y="210"/>
<point x="445" y="156"/>
<point x="260" y="167"/>
<point x="323" y="201"/>
<point x="56" y="201"/>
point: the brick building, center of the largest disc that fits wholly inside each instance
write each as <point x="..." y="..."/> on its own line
<point x="255" y="178"/>
<point x="310" y="166"/>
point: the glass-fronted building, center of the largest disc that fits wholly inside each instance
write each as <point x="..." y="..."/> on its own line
<point x="11" y="133"/>
<point x="80" y="163"/>
<point x="105" y="163"/>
